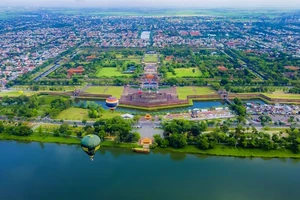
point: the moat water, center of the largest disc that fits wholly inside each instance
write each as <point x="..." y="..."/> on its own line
<point x="196" y="104"/>
<point x="53" y="171"/>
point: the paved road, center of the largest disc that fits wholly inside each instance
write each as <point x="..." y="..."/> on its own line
<point x="148" y="129"/>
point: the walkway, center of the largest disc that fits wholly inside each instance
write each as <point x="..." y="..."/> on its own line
<point x="148" y="129"/>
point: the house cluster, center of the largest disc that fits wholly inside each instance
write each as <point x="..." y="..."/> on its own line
<point x="277" y="109"/>
<point x="27" y="44"/>
<point x="21" y="51"/>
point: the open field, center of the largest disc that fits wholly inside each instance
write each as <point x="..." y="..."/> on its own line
<point x="36" y="137"/>
<point x="183" y="92"/>
<point x="282" y="95"/>
<point x="110" y="72"/>
<point x="275" y="88"/>
<point x="135" y="59"/>
<point x="48" y="88"/>
<point x="15" y="93"/>
<point x="80" y="114"/>
<point x="152" y="58"/>
<point x="178" y="12"/>
<point x="73" y="114"/>
<point x="115" y="91"/>
<point x="185" y="72"/>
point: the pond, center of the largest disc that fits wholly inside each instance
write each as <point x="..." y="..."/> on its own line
<point x="53" y="171"/>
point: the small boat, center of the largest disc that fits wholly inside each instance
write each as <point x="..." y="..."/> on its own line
<point x="141" y="150"/>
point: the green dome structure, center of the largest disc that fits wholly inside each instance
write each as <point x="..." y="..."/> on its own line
<point x="90" y="144"/>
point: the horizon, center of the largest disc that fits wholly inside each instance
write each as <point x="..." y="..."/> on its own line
<point x="155" y="4"/>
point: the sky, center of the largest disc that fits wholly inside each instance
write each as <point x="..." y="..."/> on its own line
<point x="156" y="3"/>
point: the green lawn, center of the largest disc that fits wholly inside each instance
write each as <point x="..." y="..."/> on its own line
<point x="281" y="95"/>
<point x="221" y="150"/>
<point x="48" y="88"/>
<point x="135" y="59"/>
<point x="152" y="58"/>
<point x="184" y="72"/>
<point x="110" y="72"/>
<point x="183" y="92"/>
<point x="112" y="90"/>
<point x="80" y="114"/>
<point x="108" y="143"/>
<point x="73" y="114"/>
<point x="15" y="93"/>
<point x="35" y="137"/>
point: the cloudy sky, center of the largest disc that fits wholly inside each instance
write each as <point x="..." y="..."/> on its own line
<point x="156" y="3"/>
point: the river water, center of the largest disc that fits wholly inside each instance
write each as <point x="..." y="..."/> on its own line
<point x="52" y="171"/>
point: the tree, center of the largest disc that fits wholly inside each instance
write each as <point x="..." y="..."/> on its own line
<point x="1" y="127"/>
<point x="136" y="118"/>
<point x="56" y="133"/>
<point x="162" y="143"/>
<point x="266" y="144"/>
<point x="63" y="128"/>
<point x="224" y="81"/>
<point x="202" y="142"/>
<point x="231" y="141"/>
<point x="40" y="130"/>
<point x="22" y="130"/>
<point x="118" y="126"/>
<point x="133" y="137"/>
<point x="177" y="140"/>
<point x="68" y="132"/>
<point x="224" y="128"/>
<point x="195" y="130"/>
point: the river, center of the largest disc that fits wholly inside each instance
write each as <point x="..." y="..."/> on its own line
<point x="53" y="171"/>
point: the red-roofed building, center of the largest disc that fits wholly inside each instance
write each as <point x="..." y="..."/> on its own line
<point x="222" y="68"/>
<point x="169" y="58"/>
<point x="91" y="57"/>
<point x="195" y="33"/>
<point x="291" y="68"/>
<point x="78" y="70"/>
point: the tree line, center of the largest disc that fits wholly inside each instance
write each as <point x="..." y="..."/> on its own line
<point x="180" y="133"/>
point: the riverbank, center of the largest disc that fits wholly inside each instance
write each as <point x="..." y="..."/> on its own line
<point x="221" y="150"/>
<point x="46" y="138"/>
<point x="190" y="149"/>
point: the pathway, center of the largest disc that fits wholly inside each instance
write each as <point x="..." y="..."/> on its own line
<point x="148" y="129"/>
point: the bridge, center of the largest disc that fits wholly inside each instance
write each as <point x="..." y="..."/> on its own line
<point x="224" y="95"/>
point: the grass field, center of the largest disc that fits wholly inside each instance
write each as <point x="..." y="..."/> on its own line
<point x="152" y="58"/>
<point x="15" y="93"/>
<point x="282" y="95"/>
<point x="112" y="90"/>
<point x="35" y="137"/>
<point x="135" y="59"/>
<point x="110" y="72"/>
<point x="108" y="143"/>
<point x="184" y="72"/>
<point x="73" y="114"/>
<point x="48" y="88"/>
<point x="80" y="114"/>
<point x="183" y="92"/>
<point x="221" y="150"/>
